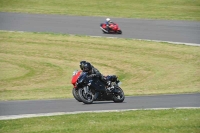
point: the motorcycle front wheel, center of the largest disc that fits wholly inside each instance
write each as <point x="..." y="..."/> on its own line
<point x="86" y="97"/>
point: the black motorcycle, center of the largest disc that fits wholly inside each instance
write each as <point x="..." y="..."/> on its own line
<point x="93" y="89"/>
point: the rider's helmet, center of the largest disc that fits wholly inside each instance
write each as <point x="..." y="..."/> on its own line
<point x="82" y="63"/>
<point x="108" y="20"/>
<point x="87" y="67"/>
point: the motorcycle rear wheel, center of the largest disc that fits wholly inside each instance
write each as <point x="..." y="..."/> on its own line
<point x="75" y="94"/>
<point x="86" y="98"/>
<point x="118" y="95"/>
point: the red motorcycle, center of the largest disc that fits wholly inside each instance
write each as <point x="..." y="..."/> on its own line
<point x="114" y="28"/>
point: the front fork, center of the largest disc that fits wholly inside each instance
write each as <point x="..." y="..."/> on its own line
<point x="86" y="89"/>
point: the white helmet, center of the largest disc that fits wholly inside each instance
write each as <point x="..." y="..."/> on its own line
<point x="108" y="19"/>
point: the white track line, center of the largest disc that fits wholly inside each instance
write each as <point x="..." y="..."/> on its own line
<point x="183" y="43"/>
<point x="9" y="117"/>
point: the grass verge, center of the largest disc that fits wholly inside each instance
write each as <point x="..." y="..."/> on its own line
<point x="153" y="9"/>
<point x="40" y="66"/>
<point x="141" y="121"/>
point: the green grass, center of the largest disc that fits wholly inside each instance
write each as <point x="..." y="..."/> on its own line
<point x="153" y="9"/>
<point x="40" y="65"/>
<point x="143" y="121"/>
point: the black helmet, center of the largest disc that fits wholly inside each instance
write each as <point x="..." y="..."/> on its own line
<point x="82" y="63"/>
<point x="87" y="67"/>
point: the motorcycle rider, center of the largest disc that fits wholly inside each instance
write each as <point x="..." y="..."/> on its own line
<point x="108" y="22"/>
<point x="82" y="63"/>
<point x="93" y="72"/>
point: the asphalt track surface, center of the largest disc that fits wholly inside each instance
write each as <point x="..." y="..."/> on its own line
<point x="10" y="108"/>
<point x="172" y="31"/>
<point x="161" y="30"/>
